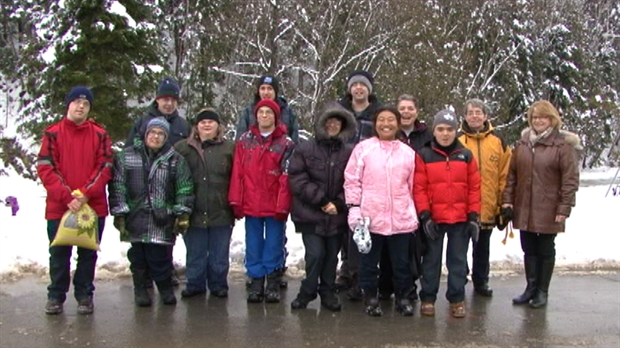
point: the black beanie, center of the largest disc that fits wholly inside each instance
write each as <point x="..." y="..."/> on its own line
<point x="168" y="87"/>
<point x="208" y="115"/>
<point x="269" y="80"/>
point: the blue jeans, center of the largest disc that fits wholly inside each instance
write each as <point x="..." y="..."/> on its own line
<point x="60" y="267"/>
<point x="207" y="258"/>
<point x="456" y="262"/>
<point x="264" y="240"/>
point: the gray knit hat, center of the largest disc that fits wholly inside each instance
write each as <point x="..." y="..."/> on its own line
<point x="445" y="116"/>
<point x="159" y="122"/>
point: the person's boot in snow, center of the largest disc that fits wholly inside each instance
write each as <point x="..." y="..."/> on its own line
<point x="281" y="281"/>
<point x="166" y="292"/>
<point x="545" y="272"/>
<point x="355" y="293"/>
<point x="272" y="293"/>
<point x="257" y="290"/>
<point x="330" y="301"/>
<point x="141" y="294"/>
<point x="530" y="263"/>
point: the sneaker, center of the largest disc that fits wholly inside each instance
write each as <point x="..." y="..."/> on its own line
<point x="85" y="306"/>
<point x="53" y="307"/>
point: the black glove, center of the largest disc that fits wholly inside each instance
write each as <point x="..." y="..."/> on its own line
<point x="181" y="224"/>
<point x="473" y="228"/>
<point x="119" y="223"/>
<point x="431" y="230"/>
<point x="507" y="214"/>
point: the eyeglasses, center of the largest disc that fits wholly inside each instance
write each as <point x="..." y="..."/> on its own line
<point x="157" y="134"/>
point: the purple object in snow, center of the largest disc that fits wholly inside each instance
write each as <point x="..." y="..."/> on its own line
<point x="12" y="202"/>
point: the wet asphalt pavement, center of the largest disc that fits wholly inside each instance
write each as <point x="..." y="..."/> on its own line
<point x="584" y="311"/>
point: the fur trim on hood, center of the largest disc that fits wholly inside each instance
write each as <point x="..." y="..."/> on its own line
<point x="347" y="118"/>
<point x="569" y="137"/>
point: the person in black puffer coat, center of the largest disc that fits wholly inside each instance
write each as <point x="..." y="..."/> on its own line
<point x="316" y="178"/>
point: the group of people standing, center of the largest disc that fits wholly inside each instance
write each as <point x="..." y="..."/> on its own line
<point x="415" y="184"/>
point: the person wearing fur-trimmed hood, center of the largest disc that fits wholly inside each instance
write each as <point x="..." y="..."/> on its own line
<point x="540" y="192"/>
<point x="316" y="179"/>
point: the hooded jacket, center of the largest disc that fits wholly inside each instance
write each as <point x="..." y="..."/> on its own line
<point x="316" y="176"/>
<point x="363" y="119"/>
<point x="179" y="127"/>
<point x="259" y="179"/>
<point x="493" y="157"/>
<point x="287" y="118"/>
<point x="543" y="181"/>
<point x="379" y="178"/>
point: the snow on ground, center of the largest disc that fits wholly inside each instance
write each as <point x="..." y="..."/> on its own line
<point x="592" y="238"/>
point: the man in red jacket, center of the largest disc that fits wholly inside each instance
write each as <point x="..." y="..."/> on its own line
<point x="447" y="197"/>
<point x="76" y="154"/>
<point x="259" y="192"/>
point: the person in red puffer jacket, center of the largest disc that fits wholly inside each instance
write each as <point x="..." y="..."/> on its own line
<point x="76" y="154"/>
<point x="447" y="198"/>
<point x="259" y="192"/>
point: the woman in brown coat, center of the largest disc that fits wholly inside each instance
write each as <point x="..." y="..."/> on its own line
<point x="542" y="182"/>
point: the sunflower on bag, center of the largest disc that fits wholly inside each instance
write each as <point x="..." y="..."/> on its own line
<point x="78" y="228"/>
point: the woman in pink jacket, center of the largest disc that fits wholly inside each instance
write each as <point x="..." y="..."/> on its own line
<point x="379" y="185"/>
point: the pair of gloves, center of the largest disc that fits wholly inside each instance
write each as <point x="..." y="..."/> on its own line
<point x="181" y="224"/>
<point x="432" y="232"/>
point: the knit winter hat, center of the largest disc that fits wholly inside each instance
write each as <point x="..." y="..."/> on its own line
<point x="445" y="116"/>
<point x="362" y="76"/>
<point x="78" y="92"/>
<point x="208" y="115"/>
<point x="159" y="122"/>
<point x="168" y="87"/>
<point x="269" y="80"/>
<point x="271" y="104"/>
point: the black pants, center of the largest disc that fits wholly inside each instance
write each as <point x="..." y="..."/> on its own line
<point x="538" y="244"/>
<point x="480" y="256"/>
<point x="321" y="263"/>
<point x="154" y="257"/>
<point x="398" y="249"/>
<point x="60" y="267"/>
<point x="385" y="265"/>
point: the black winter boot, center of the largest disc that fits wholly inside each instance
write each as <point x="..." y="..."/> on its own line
<point x="372" y="306"/>
<point x="166" y="292"/>
<point x="257" y="290"/>
<point x="545" y="272"/>
<point x="272" y="293"/>
<point x="330" y="301"/>
<point x="530" y="263"/>
<point x="403" y="306"/>
<point x="141" y="294"/>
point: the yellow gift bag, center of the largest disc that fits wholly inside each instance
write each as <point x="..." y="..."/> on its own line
<point x="80" y="228"/>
